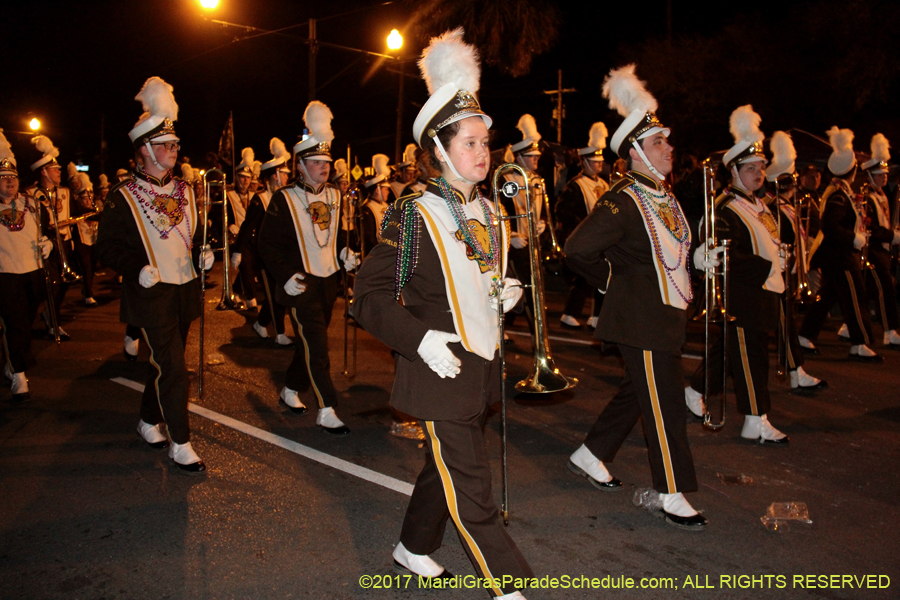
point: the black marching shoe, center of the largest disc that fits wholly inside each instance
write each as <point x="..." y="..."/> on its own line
<point x="677" y="502"/>
<point x="186" y="459"/>
<point x="153" y="435"/>
<point x="329" y="422"/>
<point x="289" y="398"/>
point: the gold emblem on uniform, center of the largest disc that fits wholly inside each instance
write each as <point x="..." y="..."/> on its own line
<point x="320" y="215"/>
<point x="481" y="234"/>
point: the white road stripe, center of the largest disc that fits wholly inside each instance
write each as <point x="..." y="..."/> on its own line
<point x="585" y="342"/>
<point x="290" y="445"/>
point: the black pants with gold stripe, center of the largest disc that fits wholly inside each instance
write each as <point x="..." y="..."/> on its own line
<point x="882" y="288"/>
<point x="20" y="298"/>
<point x="793" y="349"/>
<point x="748" y="363"/>
<point x="652" y="388"/>
<point x="456" y="483"/>
<point x="166" y="392"/>
<point x="845" y="286"/>
<point x="311" y="366"/>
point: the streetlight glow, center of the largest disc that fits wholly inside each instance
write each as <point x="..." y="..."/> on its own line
<point x="34" y="124"/>
<point x="209" y="4"/>
<point x="395" y="40"/>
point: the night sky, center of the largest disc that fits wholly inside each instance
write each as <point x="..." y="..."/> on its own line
<point x="76" y="66"/>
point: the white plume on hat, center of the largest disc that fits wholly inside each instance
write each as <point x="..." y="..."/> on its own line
<point x="255" y="168"/>
<point x="881" y="149"/>
<point x="187" y="172"/>
<point x="317" y="118"/>
<point x="508" y="155"/>
<point x="340" y="169"/>
<point x="626" y="93"/>
<point x="744" y="125"/>
<point x="6" y="152"/>
<point x="380" y="164"/>
<point x="157" y="98"/>
<point x="448" y="59"/>
<point x="842" y="158"/>
<point x="784" y="155"/>
<point x="597" y="136"/>
<point x="528" y="127"/>
<point x="45" y="146"/>
<point x="71" y="170"/>
<point x="409" y="154"/>
<point x="247" y="157"/>
<point x="104" y="181"/>
<point x="278" y="149"/>
<point x="84" y="182"/>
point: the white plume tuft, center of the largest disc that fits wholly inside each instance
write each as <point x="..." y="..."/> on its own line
<point x="340" y="168"/>
<point x="84" y="182"/>
<point x="255" y="168"/>
<point x="187" y="173"/>
<point x="508" y="156"/>
<point x="45" y="146"/>
<point x="247" y="157"/>
<point x="841" y="140"/>
<point x="71" y="171"/>
<point x="104" y="180"/>
<point x="744" y="125"/>
<point x="626" y="93"/>
<point x="157" y="99"/>
<point x="409" y="155"/>
<point x="448" y="59"/>
<point x="380" y="164"/>
<point x="317" y="118"/>
<point x="528" y="127"/>
<point x="598" y="136"/>
<point x="782" y="146"/>
<point x="278" y="149"/>
<point x="6" y="152"/>
<point x="881" y="149"/>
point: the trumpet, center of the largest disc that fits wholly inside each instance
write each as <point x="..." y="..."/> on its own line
<point x="213" y="180"/>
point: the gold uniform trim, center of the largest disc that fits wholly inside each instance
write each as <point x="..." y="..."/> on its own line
<point x="659" y="423"/>
<point x="748" y="375"/>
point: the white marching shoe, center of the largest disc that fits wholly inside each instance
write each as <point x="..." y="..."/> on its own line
<point x="512" y="596"/>
<point x="844" y="331"/>
<point x="291" y="399"/>
<point x="592" y="322"/>
<point x="801" y="380"/>
<point x="892" y="338"/>
<point x="186" y="459"/>
<point x="19" y="384"/>
<point x="570" y="321"/>
<point x="583" y="462"/>
<point x="679" y="513"/>
<point x="130" y="348"/>
<point x="260" y="330"/>
<point x="758" y="428"/>
<point x="407" y="563"/>
<point x="863" y="353"/>
<point x="694" y="401"/>
<point x="329" y="422"/>
<point x="283" y="340"/>
<point x="153" y="435"/>
<point x="807" y="345"/>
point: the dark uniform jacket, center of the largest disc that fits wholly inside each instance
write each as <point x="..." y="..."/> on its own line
<point x="120" y="247"/>
<point x="633" y="312"/>
<point x="248" y="237"/>
<point x="838" y="227"/>
<point x="878" y="235"/>
<point x="570" y="209"/>
<point x="752" y="306"/>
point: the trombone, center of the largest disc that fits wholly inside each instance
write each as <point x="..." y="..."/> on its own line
<point x="214" y="179"/>
<point x="351" y="218"/>
<point x="554" y="256"/>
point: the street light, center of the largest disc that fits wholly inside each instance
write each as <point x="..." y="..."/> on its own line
<point x="394" y="40"/>
<point x="209" y="4"/>
<point x="34" y="124"/>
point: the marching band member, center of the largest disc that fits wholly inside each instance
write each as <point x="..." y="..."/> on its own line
<point x="379" y="196"/>
<point x="881" y="238"/>
<point x="791" y="235"/>
<point x="301" y="242"/>
<point x="149" y="233"/>
<point x="239" y="196"/>
<point x="635" y="244"/>
<point x="21" y="277"/>
<point x="86" y="237"/>
<point x="574" y="205"/>
<point x="405" y="172"/>
<point x="755" y="284"/>
<point x="836" y="250"/>
<point x="274" y="174"/>
<point x="442" y="251"/>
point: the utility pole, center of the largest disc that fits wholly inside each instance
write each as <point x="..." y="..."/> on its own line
<point x="559" y="112"/>
<point x="313" y="53"/>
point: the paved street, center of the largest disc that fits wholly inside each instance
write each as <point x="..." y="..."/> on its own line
<point x="88" y="511"/>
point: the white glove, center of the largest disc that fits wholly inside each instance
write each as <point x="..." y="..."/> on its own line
<point x="434" y="351"/>
<point x="518" y="242"/>
<point x="700" y="261"/>
<point x="207" y="258"/>
<point x="541" y="226"/>
<point x="234" y="229"/>
<point x="149" y="276"/>
<point x="859" y="240"/>
<point x="46" y="246"/>
<point x="294" y="286"/>
<point x="512" y="291"/>
<point x="235" y="260"/>
<point x="350" y="259"/>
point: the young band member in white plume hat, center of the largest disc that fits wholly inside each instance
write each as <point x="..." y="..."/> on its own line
<point x="837" y="251"/>
<point x="755" y="283"/>
<point x="444" y="253"/>
<point x="634" y="244"/>
<point x="574" y="205"/>
<point x="304" y="247"/>
<point x="150" y="235"/>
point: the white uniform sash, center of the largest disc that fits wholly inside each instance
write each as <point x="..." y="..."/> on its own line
<point x="591" y="190"/>
<point x="170" y="255"/>
<point x="882" y="211"/>
<point x="317" y="241"/>
<point x="670" y="257"/>
<point x="764" y="244"/>
<point x="19" y="249"/>
<point x="265" y="196"/>
<point x="237" y="206"/>
<point x="468" y="286"/>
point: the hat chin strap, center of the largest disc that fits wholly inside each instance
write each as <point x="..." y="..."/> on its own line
<point x="457" y="176"/>
<point x="736" y="181"/>
<point x="153" y="156"/>
<point x="644" y="158"/>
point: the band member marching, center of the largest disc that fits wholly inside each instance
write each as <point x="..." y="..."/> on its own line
<point x="301" y="243"/>
<point x="635" y="244"/>
<point x="150" y="235"/>
<point x="444" y="254"/>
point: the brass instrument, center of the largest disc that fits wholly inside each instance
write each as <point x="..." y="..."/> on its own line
<point x="553" y="257"/>
<point x="214" y="179"/>
<point x="788" y="255"/>
<point x="352" y="218"/>
<point x="715" y="307"/>
<point x="48" y="278"/>
<point x="66" y="273"/>
<point x="862" y="215"/>
<point x="228" y="301"/>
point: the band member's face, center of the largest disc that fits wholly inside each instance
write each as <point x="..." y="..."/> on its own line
<point x="166" y="154"/>
<point x="53" y="174"/>
<point x="879" y="180"/>
<point x="469" y="150"/>
<point x="318" y="170"/>
<point x="593" y="167"/>
<point x="812" y="180"/>
<point x="9" y="186"/>
<point x="242" y="184"/>
<point x="282" y="179"/>
<point x="408" y="174"/>
<point x="752" y="175"/>
<point x="343" y="185"/>
<point x="659" y="152"/>
<point x="529" y="162"/>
